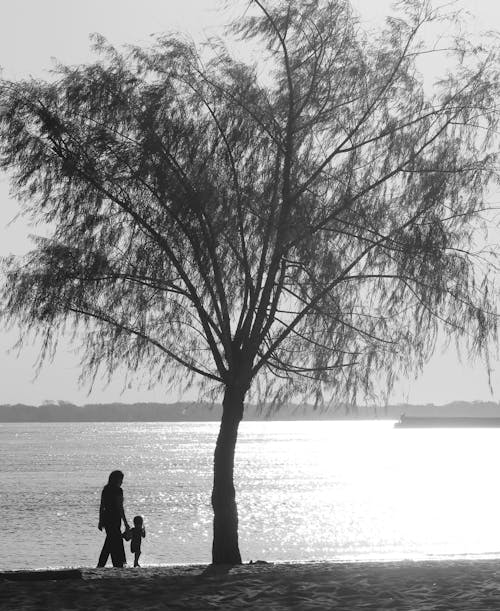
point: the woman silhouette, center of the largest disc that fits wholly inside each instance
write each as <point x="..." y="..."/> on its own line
<point x="111" y="514"/>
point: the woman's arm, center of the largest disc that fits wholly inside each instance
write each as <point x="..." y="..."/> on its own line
<point x="101" y="512"/>
<point x="122" y="513"/>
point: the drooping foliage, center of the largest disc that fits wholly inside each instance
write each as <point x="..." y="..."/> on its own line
<point x="317" y="217"/>
<point x="301" y="225"/>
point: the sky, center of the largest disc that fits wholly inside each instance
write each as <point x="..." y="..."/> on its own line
<point x="32" y="34"/>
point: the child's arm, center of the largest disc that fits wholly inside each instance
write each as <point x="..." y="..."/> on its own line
<point x="127" y="534"/>
<point x="143" y="531"/>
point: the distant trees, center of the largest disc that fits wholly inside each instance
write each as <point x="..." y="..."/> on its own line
<point x="300" y="227"/>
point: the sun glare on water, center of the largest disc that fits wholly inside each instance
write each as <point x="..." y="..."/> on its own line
<point x="371" y="491"/>
<point x="305" y="490"/>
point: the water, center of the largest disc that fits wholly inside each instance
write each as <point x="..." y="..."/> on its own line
<point x="305" y="490"/>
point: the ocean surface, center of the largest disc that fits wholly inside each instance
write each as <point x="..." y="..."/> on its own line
<point x="305" y="490"/>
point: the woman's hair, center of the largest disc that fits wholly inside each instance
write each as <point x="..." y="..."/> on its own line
<point x="115" y="477"/>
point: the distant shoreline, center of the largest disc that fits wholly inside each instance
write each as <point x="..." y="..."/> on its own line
<point x="61" y="411"/>
<point x="196" y="421"/>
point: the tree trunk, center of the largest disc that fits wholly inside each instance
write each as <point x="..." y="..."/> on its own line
<point x="225" y="549"/>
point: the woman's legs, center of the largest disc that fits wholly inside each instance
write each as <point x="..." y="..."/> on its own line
<point x="104" y="555"/>
<point x="113" y="545"/>
<point x="116" y="546"/>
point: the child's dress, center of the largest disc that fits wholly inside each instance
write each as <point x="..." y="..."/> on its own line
<point x="136" y="537"/>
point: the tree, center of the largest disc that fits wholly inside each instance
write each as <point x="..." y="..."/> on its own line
<point x="300" y="227"/>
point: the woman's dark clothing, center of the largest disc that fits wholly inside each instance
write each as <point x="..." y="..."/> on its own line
<point x="110" y="517"/>
<point x="113" y="545"/>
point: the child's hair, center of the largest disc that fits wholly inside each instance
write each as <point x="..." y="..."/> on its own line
<point x="138" y="521"/>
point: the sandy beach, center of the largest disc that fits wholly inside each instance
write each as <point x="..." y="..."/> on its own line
<point x="445" y="585"/>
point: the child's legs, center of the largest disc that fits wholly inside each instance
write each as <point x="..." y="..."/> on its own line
<point x="136" y="558"/>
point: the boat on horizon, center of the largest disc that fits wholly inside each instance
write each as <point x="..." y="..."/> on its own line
<point x="447" y="422"/>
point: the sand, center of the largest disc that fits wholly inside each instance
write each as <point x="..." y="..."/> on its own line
<point x="445" y="585"/>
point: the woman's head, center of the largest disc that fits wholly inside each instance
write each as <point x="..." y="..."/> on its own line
<point x="115" y="478"/>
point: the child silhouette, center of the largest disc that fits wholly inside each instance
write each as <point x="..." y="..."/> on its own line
<point x="135" y="536"/>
